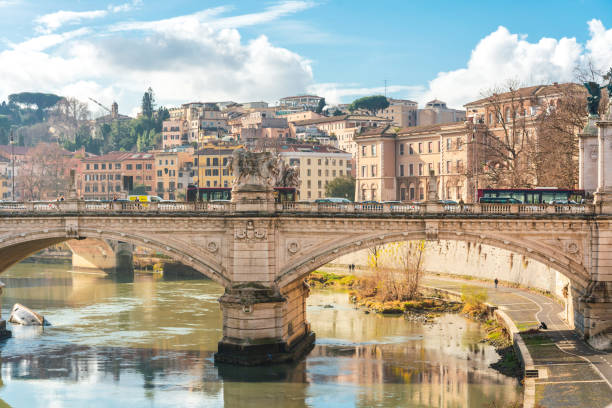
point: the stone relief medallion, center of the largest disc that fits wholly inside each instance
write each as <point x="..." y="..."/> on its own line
<point x="250" y="233"/>
<point x="572" y="248"/>
<point x="212" y="246"/>
<point x="293" y="246"/>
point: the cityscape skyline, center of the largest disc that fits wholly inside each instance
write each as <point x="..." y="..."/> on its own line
<point x="210" y="51"/>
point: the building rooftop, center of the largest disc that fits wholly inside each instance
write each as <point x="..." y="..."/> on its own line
<point x="308" y="148"/>
<point x="531" y="91"/>
<point x="341" y="118"/>
<point x="121" y="156"/>
<point x="300" y="96"/>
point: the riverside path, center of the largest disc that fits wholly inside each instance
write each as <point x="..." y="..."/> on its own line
<point x="571" y="373"/>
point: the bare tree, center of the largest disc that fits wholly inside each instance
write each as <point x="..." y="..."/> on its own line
<point x="43" y="175"/>
<point x="70" y="114"/>
<point x="510" y="140"/>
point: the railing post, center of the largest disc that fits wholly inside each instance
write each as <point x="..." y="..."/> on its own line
<point x="387" y="208"/>
<point x="514" y="208"/>
<point x="153" y="206"/>
<point x="29" y="206"/>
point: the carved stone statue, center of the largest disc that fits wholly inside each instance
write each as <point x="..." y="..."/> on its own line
<point x="594" y="98"/>
<point x="254" y="169"/>
<point x="608" y="76"/>
<point x="289" y="176"/>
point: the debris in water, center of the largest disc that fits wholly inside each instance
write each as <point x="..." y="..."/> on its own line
<point x="25" y="316"/>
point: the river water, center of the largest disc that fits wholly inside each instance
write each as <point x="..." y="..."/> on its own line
<point x="149" y="342"/>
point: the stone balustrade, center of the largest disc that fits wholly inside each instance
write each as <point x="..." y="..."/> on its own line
<point x="424" y="208"/>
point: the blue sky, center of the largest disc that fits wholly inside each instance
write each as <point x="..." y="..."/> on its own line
<point x="254" y="50"/>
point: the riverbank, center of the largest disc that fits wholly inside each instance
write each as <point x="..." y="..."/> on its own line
<point x="429" y="305"/>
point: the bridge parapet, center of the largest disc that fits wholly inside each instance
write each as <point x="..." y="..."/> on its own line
<point x="295" y="207"/>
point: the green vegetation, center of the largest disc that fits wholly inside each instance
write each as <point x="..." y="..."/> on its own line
<point x="372" y="104"/>
<point x="343" y="186"/>
<point x="474" y="300"/>
<point x="320" y="106"/>
<point x="325" y="279"/>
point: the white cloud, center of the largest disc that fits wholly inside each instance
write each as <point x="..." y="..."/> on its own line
<point x="185" y="58"/>
<point x="51" y="22"/>
<point x="502" y="56"/>
<point x="335" y="92"/>
<point x="125" y="6"/>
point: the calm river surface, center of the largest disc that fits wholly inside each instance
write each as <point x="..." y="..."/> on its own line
<point x="149" y="342"/>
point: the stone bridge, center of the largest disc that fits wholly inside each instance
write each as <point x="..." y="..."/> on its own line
<point x="261" y="251"/>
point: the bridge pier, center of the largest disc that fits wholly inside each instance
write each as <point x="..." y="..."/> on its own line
<point x="264" y="326"/>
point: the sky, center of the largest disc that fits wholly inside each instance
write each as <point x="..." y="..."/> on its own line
<point x="245" y="50"/>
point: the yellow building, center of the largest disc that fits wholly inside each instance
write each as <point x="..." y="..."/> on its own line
<point x="211" y="162"/>
<point x="169" y="170"/>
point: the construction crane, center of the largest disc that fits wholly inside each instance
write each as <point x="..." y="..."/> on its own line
<point x="100" y="105"/>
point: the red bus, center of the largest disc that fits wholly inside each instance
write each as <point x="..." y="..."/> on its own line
<point x="541" y="195"/>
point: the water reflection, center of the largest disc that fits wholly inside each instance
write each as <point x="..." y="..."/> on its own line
<point x="150" y="342"/>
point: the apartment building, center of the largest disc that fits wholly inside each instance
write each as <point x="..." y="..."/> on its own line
<point x="169" y="178"/>
<point x="6" y="181"/>
<point x="192" y="122"/>
<point x="318" y="165"/>
<point x="303" y="102"/>
<point x="401" y="165"/>
<point x="401" y="112"/>
<point x="211" y="164"/>
<point x="343" y="127"/>
<point x="115" y="174"/>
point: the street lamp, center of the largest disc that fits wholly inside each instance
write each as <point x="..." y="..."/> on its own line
<point x="13" y="165"/>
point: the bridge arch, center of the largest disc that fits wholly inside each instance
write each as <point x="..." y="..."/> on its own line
<point x="20" y="245"/>
<point x="554" y="258"/>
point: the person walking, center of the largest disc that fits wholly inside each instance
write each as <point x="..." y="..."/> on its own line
<point x="496" y="282"/>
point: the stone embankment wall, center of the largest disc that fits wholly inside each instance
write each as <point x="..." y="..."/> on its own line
<point x="484" y="262"/>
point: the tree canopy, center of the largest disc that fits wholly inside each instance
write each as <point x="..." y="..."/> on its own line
<point x="343" y="186"/>
<point x="41" y="100"/>
<point x="148" y="103"/>
<point x="372" y="104"/>
<point x="320" y="106"/>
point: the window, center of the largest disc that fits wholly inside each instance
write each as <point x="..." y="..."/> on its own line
<point x="439" y="146"/>
<point x="95" y="166"/>
<point x="319" y="171"/>
<point x="411" y="193"/>
<point x="401" y="149"/>
<point x="363" y="151"/>
<point x="430" y="147"/>
<point x="308" y="183"/>
<point x="139" y="166"/>
<point x="410" y="149"/>
<point x="449" y="143"/>
<point x="411" y="169"/>
<point x="87" y="166"/>
<point x="319" y="183"/>
<point x="430" y="168"/>
<point x="117" y="176"/>
<point x="319" y="163"/>
<point x="373" y="150"/>
<point x="508" y="117"/>
<point x="490" y="118"/>
<point x="421" y="193"/>
<point x="326" y="172"/>
<point x="341" y="172"/>
<point x="459" y="143"/>
<point x="459" y="166"/>
<point x="117" y="187"/>
<point x="215" y="161"/>
<point x="308" y="161"/>
<point x="373" y="170"/>
<point x="420" y="169"/>
<point x="363" y="171"/>
<point x="420" y="147"/>
<point x="207" y="172"/>
<point x="103" y="166"/>
<point x="333" y="173"/>
<point x="340" y="162"/>
<point x="308" y="172"/>
<point x="208" y="161"/>
<point x="215" y="172"/>
<point x="128" y="167"/>
<point x="117" y="166"/>
<point x="448" y="166"/>
<point x="401" y="170"/>
<point x="149" y="166"/>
